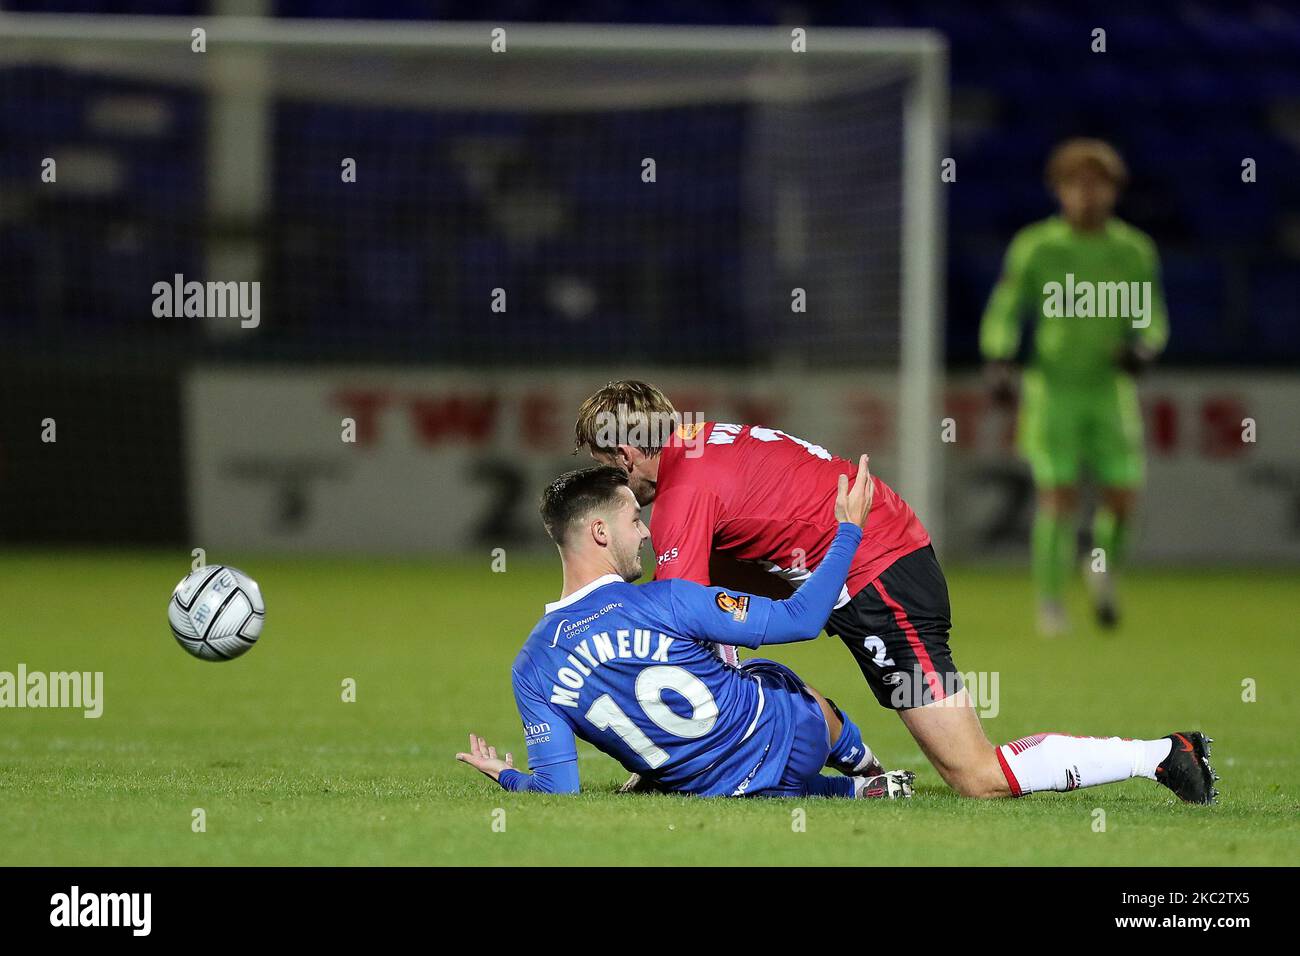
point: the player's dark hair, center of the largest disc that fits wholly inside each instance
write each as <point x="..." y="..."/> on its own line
<point x="575" y="494"/>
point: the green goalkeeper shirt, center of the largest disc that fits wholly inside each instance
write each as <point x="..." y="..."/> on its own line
<point x="1090" y="295"/>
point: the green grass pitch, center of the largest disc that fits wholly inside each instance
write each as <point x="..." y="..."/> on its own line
<point x="288" y="773"/>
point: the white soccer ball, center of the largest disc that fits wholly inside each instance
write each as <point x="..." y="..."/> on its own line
<point x="216" y="613"/>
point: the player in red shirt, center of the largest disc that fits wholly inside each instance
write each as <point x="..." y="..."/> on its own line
<point x="764" y="499"/>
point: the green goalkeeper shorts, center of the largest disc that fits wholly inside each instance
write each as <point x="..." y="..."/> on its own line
<point x="1066" y="429"/>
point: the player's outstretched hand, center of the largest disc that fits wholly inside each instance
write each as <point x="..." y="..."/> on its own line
<point x="855" y="504"/>
<point x="484" y="758"/>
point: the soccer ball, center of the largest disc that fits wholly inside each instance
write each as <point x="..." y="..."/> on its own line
<point x="216" y="613"/>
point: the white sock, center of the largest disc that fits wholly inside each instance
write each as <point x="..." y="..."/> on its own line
<point x="1060" y="762"/>
<point x="867" y="757"/>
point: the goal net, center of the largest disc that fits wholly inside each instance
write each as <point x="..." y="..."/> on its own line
<point x="759" y="202"/>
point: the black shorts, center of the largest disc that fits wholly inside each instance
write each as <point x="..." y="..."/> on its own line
<point x="897" y="629"/>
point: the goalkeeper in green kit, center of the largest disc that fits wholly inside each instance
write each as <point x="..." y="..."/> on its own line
<point x="1088" y="284"/>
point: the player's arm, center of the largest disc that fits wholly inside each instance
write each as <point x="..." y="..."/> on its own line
<point x="1008" y="304"/>
<point x="752" y="621"/>
<point x="552" y="749"/>
<point x="1000" y="326"/>
<point x="1148" y="340"/>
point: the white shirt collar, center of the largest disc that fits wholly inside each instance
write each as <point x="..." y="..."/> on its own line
<point x="583" y="591"/>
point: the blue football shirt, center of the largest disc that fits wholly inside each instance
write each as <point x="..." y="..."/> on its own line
<point x="630" y="669"/>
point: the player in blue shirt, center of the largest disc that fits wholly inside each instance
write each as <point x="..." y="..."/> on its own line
<point x="631" y="668"/>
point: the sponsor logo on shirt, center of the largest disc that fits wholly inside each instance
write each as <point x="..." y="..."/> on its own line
<point x="667" y="556"/>
<point x="568" y="629"/>
<point x="737" y="607"/>
<point x="538" y="733"/>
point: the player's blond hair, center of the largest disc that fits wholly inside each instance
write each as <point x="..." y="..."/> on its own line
<point x="1075" y="154"/>
<point x="626" y="412"/>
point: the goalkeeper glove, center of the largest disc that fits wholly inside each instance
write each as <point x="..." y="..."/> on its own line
<point x="1136" y="358"/>
<point x="1002" y="379"/>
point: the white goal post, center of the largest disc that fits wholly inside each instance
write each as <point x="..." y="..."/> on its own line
<point x="239" y="124"/>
